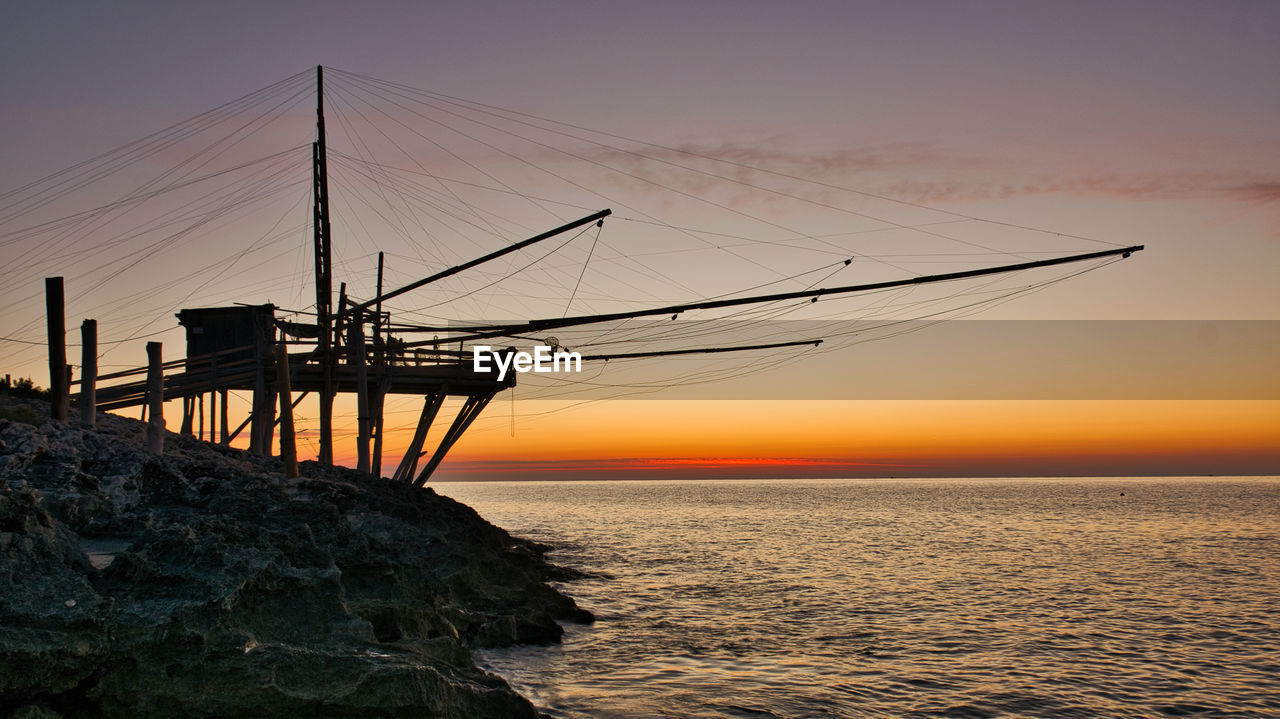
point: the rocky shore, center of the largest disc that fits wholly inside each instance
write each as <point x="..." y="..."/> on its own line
<point x="202" y="583"/>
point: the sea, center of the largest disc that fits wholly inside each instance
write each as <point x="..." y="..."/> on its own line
<point x="1031" y="597"/>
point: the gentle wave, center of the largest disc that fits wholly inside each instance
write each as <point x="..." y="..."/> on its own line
<point x="911" y="598"/>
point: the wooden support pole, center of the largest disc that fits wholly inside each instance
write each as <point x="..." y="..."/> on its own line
<point x="324" y="274"/>
<point x="380" y="376"/>
<point x="55" y="311"/>
<point x="474" y="405"/>
<point x="236" y="432"/>
<point x="269" y="420"/>
<point x="330" y="333"/>
<point x="255" y="410"/>
<point x="338" y="327"/>
<point x="155" y="399"/>
<point x="213" y="400"/>
<point x="226" y="439"/>
<point x="378" y="399"/>
<point x="356" y="353"/>
<point x="187" y="416"/>
<point x="200" y="411"/>
<point x="378" y="301"/>
<point x="288" y="446"/>
<point x="89" y="372"/>
<point x="326" y="403"/>
<point x="430" y="407"/>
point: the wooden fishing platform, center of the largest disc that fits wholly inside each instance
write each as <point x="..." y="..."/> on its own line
<point x="389" y="368"/>
<point x="354" y="348"/>
<point x="245" y="348"/>
<point x="405" y="375"/>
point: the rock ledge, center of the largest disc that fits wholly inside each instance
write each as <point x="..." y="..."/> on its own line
<point x="202" y="583"/>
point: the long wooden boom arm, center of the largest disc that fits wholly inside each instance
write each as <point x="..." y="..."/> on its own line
<point x="597" y="217"/>
<point x="475" y="332"/>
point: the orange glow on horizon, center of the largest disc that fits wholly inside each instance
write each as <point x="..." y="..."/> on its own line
<point x="686" y="438"/>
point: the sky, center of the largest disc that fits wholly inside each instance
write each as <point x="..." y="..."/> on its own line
<point x="1151" y="123"/>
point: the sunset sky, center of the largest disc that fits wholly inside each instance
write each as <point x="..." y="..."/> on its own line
<point x="1096" y="124"/>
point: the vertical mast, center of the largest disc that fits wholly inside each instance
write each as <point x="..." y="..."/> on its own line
<point x="324" y="286"/>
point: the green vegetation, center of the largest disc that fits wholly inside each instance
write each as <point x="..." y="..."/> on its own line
<point x="23" y="387"/>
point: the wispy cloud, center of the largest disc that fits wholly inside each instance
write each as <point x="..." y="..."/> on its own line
<point x="937" y="175"/>
<point x="1239" y="187"/>
<point x="772" y="153"/>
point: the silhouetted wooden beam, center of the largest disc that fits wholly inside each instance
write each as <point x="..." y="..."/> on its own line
<point x="378" y="400"/>
<point x="132" y="394"/>
<point x="378" y="299"/>
<point x="191" y="363"/>
<point x="155" y="398"/>
<point x="430" y="407"/>
<point x="700" y="350"/>
<point x="222" y="420"/>
<point x="262" y="428"/>
<point x="269" y="420"/>
<point x="213" y="400"/>
<point x="288" y="447"/>
<point x="55" y="315"/>
<point x="187" y="417"/>
<point x="324" y="273"/>
<point x="355" y="342"/>
<point x="380" y="376"/>
<point x="485" y="331"/>
<point x="597" y="217"/>
<point x="89" y="372"/>
<point x="226" y="438"/>
<point x="255" y="409"/>
<point x="459" y="377"/>
<point x="470" y="410"/>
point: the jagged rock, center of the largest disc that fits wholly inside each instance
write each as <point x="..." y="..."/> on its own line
<point x="222" y="589"/>
<point x="36" y="711"/>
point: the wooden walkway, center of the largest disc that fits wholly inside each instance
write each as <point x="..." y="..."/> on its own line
<point x="433" y="375"/>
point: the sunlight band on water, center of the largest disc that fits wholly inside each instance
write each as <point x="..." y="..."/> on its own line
<point x="853" y="598"/>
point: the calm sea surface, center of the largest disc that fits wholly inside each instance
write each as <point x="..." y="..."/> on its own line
<point x="905" y="598"/>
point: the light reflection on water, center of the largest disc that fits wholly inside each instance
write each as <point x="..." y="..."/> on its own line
<point x="913" y="598"/>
